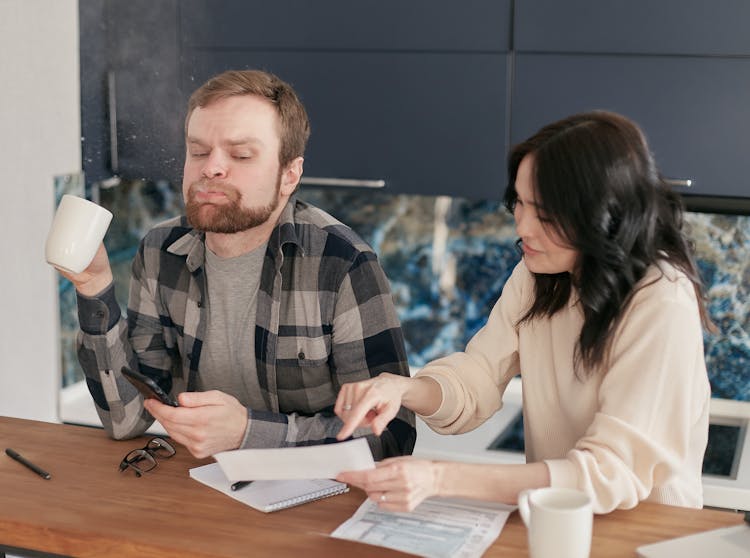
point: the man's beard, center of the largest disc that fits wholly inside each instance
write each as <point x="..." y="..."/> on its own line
<point x="228" y="217"/>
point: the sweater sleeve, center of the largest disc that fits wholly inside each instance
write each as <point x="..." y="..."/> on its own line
<point x="473" y="381"/>
<point x="653" y="404"/>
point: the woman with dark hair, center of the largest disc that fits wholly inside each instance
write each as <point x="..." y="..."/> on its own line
<point x="603" y="321"/>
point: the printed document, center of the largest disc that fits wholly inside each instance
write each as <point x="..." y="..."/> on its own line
<point x="437" y="528"/>
<point x="306" y="462"/>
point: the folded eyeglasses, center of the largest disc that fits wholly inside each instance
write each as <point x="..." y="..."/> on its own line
<point x="144" y="459"/>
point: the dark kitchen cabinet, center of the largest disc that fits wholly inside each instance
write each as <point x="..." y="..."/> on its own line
<point x="131" y="103"/>
<point x="421" y="122"/>
<point x="668" y="27"/>
<point x="373" y="25"/>
<point x="694" y="111"/>
<point x="412" y="95"/>
<point x="426" y="95"/>
<point x="681" y="69"/>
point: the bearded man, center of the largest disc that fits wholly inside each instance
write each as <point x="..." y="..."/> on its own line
<point x="254" y="307"/>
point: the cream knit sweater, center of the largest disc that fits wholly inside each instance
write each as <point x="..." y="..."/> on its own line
<point x="636" y="432"/>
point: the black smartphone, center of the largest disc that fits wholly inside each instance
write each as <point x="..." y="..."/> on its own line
<point x="148" y="387"/>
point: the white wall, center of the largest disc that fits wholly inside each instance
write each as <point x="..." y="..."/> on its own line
<point x="39" y="138"/>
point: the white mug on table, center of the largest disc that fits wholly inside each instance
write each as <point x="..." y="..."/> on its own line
<point x="75" y="234"/>
<point x="559" y="522"/>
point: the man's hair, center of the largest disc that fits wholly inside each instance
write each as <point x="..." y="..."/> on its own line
<point x="294" y="124"/>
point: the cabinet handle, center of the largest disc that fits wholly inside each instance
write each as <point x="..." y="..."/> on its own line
<point x="112" y="114"/>
<point x="353" y="182"/>
<point x="679" y="182"/>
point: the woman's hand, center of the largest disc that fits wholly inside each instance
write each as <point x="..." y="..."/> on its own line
<point x="397" y="484"/>
<point x="370" y="403"/>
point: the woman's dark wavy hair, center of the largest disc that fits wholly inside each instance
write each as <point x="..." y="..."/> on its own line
<point x="596" y="179"/>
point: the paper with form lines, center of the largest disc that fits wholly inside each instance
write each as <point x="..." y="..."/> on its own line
<point x="307" y="462"/>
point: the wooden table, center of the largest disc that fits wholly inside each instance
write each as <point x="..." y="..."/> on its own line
<point x="89" y="508"/>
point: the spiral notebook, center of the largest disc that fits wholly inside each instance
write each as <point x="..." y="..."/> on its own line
<point x="269" y="495"/>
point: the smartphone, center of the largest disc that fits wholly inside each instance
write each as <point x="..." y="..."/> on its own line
<point x="148" y="387"/>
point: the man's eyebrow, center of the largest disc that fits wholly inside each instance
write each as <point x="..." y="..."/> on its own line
<point x="244" y="141"/>
<point x="232" y="142"/>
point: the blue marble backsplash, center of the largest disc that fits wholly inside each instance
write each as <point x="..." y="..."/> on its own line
<point x="447" y="260"/>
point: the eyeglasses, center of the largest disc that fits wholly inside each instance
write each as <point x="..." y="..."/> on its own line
<point x="144" y="459"/>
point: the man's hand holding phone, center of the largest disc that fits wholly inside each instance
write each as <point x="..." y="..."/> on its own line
<point x="206" y="423"/>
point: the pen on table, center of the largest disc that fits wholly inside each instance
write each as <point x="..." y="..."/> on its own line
<point x="240" y="484"/>
<point x="22" y="460"/>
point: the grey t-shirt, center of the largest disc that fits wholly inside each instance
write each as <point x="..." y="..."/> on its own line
<point x="228" y="355"/>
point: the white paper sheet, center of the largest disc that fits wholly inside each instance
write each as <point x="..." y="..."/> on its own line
<point x="307" y="462"/>
<point x="437" y="528"/>
<point x="726" y="542"/>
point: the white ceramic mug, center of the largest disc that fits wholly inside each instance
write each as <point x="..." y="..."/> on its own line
<point x="559" y="522"/>
<point x="76" y="232"/>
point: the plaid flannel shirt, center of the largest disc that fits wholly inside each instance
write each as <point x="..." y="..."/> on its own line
<point x="325" y="317"/>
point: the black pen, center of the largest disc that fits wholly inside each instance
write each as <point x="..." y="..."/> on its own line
<point x="240" y="484"/>
<point x="22" y="460"/>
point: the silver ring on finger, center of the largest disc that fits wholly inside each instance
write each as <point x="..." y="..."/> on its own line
<point x="383" y="497"/>
<point x="347" y="407"/>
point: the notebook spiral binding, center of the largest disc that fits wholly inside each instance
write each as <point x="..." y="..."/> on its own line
<point x="311" y="497"/>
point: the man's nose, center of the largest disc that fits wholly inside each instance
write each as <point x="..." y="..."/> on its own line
<point x="215" y="166"/>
